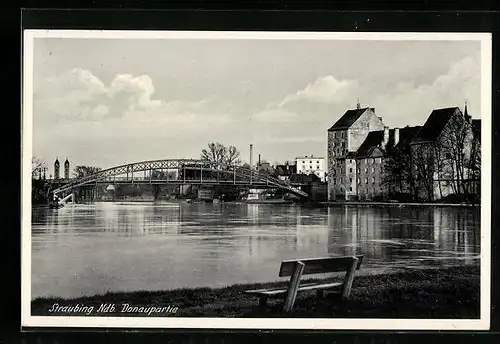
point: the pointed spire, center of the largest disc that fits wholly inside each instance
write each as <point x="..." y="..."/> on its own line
<point x="358" y="104"/>
<point x="465" y="109"/>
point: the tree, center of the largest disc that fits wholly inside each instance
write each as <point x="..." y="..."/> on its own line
<point x="84" y="171"/>
<point x="455" y="139"/>
<point x="423" y="168"/>
<point x="474" y="166"/>
<point x="397" y="171"/>
<point x="221" y="154"/>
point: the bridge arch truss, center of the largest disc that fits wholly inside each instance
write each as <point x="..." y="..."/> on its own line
<point x="180" y="171"/>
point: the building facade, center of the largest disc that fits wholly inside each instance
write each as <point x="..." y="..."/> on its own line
<point x="445" y="155"/>
<point x="369" y="161"/>
<point x="345" y="137"/>
<point x="311" y="165"/>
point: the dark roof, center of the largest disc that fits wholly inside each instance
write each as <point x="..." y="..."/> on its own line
<point x="375" y="139"/>
<point x="348" y="119"/>
<point x="476" y="127"/>
<point x="406" y="134"/>
<point x="435" y="124"/>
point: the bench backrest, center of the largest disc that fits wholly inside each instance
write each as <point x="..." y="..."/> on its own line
<point x="319" y="265"/>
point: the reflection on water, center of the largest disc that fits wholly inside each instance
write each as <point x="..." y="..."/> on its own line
<point x="90" y="249"/>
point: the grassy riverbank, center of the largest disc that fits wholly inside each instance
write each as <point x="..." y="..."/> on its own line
<point x="432" y="293"/>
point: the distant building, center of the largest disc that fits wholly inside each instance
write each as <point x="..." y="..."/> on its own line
<point x="285" y="171"/>
<point x="311" y="165"/>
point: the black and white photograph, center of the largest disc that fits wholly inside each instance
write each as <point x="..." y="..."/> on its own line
<point x="278" y="180"/>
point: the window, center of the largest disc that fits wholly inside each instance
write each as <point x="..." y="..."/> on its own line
<point x="358" y="171"/>
<point x="303" y="162"/>
<point x="379" y="160"/>
<point x="350" y="170"/>
<point x="350" y="189"/>
<point x="373" y="180"/>
<point x="368" y="125"/>
<point x="317" y="162"/>
<point x="317" y="167"/>
<point x="350" y="180"/>
<point x="373" y="169"/>
<point x="310" y="162"/>
<point x="358" y="181"/>
<point x="366" y="180"/>
<point x="371" y="161"/>
<point x="333" y="143"/>
<point x="366" y="169"/>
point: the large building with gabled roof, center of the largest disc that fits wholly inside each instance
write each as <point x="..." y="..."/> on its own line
<point x="442" y="153"/>
<point x="345" y="137"/>
<point x="360" y="147"/>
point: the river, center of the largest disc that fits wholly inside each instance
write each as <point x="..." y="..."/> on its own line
<point x="91" y="249"/>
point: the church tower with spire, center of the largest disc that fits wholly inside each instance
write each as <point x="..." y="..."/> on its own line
<point x="66" y="169"/>
<point x="56" y="169"/>
<point x="466" y="113"/>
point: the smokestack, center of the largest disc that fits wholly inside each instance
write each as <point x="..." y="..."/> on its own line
<point x="259" y="160"/>
<point x="386" y="136"/>
<point x="396" y="136"/>
<point x="251" y="158"/>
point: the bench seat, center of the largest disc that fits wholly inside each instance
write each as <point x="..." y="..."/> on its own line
<point x="303" y="287"/>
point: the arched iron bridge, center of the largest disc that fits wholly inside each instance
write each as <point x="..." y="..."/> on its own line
<point x="180" y="172"/>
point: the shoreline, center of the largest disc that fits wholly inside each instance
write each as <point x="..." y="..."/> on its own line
<point x="401" y="204"/>
<point x="448" y="292"/>
<point x="287" y="202"/>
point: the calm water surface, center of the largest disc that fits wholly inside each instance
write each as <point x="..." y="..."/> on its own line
<point x="91" y="249"/>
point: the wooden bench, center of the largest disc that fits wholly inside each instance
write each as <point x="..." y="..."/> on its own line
<point x="295" y="269"/>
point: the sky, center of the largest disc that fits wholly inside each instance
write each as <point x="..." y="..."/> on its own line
<point x="106" y="102"/>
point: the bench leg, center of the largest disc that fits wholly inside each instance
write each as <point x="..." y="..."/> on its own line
<point x="349" y="278"/>
<point x="263" y="301"/>
<point x="293" y="286"/>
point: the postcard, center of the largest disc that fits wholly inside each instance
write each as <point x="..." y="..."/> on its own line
<point x="256" y="180"/>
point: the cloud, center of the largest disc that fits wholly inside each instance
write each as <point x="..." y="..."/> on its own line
<point x="323" y="90"/>
<point x="325" y="99"/>
<point x="79" y="96"/>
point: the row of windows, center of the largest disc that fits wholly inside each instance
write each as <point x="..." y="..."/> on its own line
<point x="358" y="181"/>
<point x="310" y="161"/>
<point x="369" y="161"/>
<point x="339" y="151"/>
<point x="342" y="144"/>
<point x="310" y="167"/>
<point x="368" y="190"/>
